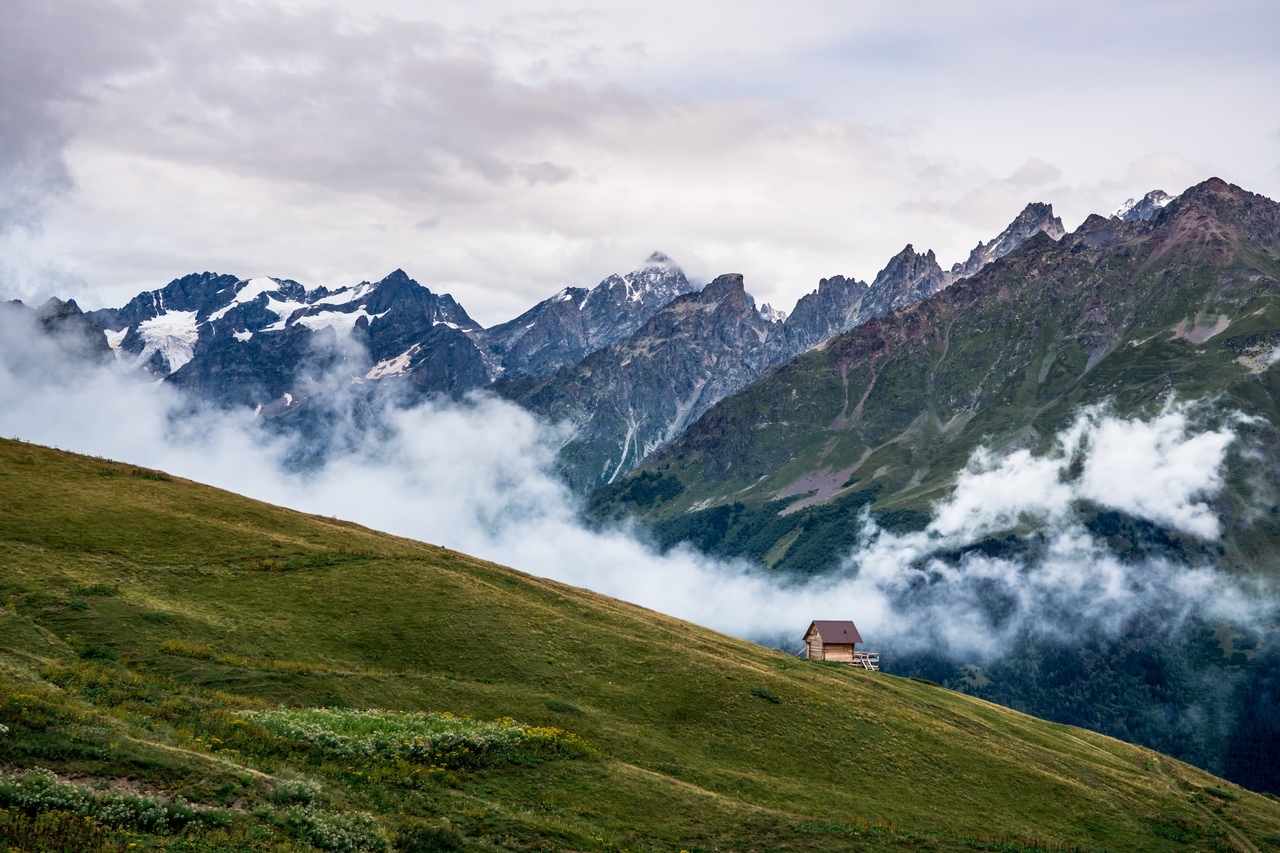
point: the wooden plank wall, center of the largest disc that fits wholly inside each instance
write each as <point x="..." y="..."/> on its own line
<point x="813" y="645"/>
<point x="842" y="652"/>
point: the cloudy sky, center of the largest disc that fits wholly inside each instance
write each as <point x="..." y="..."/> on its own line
<point x="500" y="151"/>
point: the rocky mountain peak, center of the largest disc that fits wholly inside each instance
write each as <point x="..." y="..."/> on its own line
<point x="724" y="286"/>
<point x="626" y="400"/>
<point x="831" y="309"/>
<point x="773" y="315"/>
<point x="576" y="322"/>
<point x="64" y="324"/>
<point x="54" y="309"/>
<point x="908" y="266"/>
<point x="659" y="281"/>
<point x="1225" y="199"/>
<point x="249" y="341"/>
<point x="1143" y="209"/>
<point x="1035" y="218"/>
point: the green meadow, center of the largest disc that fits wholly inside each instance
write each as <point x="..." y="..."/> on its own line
<point x="184" y="669"/>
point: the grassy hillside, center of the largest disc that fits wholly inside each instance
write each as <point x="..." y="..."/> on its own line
<point x="152" y="629"/>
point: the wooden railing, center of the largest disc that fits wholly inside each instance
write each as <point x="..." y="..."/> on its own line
<point x="867" y="660"/>
<point x="863" y="660"/>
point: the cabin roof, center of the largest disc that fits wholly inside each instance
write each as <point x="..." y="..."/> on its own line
<point x="835" y="631"/>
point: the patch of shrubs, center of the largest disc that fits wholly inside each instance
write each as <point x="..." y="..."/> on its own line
<point x="94" y="652"/>
<point x="52" y="831"/>
<point x="296" y="791"/>
<point x="144" y="474"/>
<point x="37" y="792"/>
<point x="341" y="832"/>
<point x="442" y="740"/>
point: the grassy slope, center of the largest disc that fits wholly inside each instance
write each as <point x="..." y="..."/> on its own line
<point x="100" y="569"/>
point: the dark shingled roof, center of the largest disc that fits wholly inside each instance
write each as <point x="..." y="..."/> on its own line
<point x="836" y="631"/>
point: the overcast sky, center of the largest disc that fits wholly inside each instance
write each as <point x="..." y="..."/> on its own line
<point x="500" y="151"/>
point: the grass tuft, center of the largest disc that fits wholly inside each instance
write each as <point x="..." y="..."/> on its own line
<point x="563" y="707"/>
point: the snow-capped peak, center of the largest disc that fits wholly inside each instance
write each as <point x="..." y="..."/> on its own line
<point x="255" y="287"/>
<point x="773" y="315"/>
<point x="660" y="277"/>
<point x="1144" y="208"/>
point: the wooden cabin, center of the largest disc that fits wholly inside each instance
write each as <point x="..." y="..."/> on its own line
<point x="837" y="640"/>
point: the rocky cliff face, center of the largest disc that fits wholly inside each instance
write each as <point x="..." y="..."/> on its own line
<point x="627" y="400"/>
<point x="818" y="316"/>
<point x="908" y="278"/>
<point x="576" y="322"/>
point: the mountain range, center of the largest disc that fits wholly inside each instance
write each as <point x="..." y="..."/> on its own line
<point x="627" y="401"/>
<point x="628" y="363"/>
<point x="748" y="432"/>
<point x="1121" y="311"/>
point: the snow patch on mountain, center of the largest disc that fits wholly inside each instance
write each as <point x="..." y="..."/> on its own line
<point x="115" y="338"/>
<point x="393" y="366"/>
<point x="342" y="322"/>
<point x="347" y="295"/>
<point x="252" y="289"/>
<point x="284" y="310"/>
<point x="173" y="334"/>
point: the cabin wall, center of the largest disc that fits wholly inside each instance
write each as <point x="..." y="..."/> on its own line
<point x="841" y="652"/>
<point x="813" y="646"/>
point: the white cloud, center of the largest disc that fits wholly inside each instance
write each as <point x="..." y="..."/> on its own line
<point x="1156" y="470"/>
<point x="999" y="494"/>
<point x="479" y="477"/>
<point x="307" y="139"/>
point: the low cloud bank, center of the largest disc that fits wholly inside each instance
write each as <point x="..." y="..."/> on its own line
<point x="478" y="476"/>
